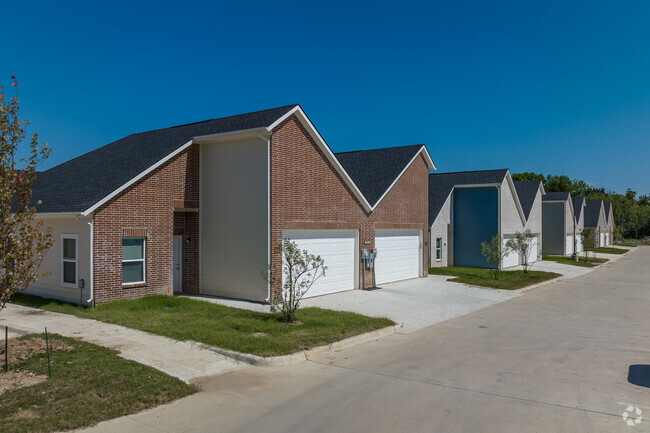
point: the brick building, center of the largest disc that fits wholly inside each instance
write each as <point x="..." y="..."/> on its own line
<point x="200" y="209"/>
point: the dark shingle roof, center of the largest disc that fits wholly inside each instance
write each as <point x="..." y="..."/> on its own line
<point x="441" y="184"/>
<point x="592" y="212"/>
<point x="527" y="191"/>
<point x="577" y="205"/>
<point x="374" y="171"/>
<point x="78" y="184"/>
<point x="608" y="206"/>
<point x="556" y="196"/>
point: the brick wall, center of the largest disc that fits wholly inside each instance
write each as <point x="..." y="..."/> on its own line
<point x="147" y="209"/>
<point x="307" y="192"/>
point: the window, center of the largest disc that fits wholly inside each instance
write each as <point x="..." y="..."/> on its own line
<point x="69" y="260"/>
<point x="438" y="249"/>
<point x="133" y="260"/>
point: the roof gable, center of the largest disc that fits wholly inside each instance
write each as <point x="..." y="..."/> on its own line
<point x="527" y="192"/>
<point x="374" y="171"/>
<point x="78" y="184"/>
<point x="593" y="213"/>
<point x="442" y="184"/>
<point x="607" y="207"/>
<point x="578" y="204"/>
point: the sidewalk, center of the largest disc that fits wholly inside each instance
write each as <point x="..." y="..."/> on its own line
<point x="179" y="359"/>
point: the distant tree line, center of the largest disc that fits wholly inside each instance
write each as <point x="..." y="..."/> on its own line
<point x="631" y="214"/>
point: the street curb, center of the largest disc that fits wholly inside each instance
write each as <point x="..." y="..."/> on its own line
<point x="302" y="356"/>
<point x="543" y="283"/>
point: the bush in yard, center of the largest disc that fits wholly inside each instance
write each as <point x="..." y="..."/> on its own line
<point x="522" y="244"/>
<point x="22" y="242"/>
<point x="300" y="270"/>
<point x="494" y="254"/>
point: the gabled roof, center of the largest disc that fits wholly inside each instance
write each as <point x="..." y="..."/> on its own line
<point x="375" y="170"/>
<point x="592" y="212"/>
<point x="527" y="191"/>
<point x="84" y="183"/>
<point x="78" y="184"/>
<point x="578" y="202"/>
<point x="608" y="207"/>
<point x="556" y="196"/>
<point x="441" y="185"/>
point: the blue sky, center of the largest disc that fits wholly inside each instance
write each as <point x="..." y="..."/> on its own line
<point x="547" y="86"/>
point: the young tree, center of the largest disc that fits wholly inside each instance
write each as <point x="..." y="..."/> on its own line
<point x="588" y="239"/>
<point x="300" y="270"/>
<point x="23" y="243"/>
<point x="494" y="254"/>
<point x="522" y="243"/>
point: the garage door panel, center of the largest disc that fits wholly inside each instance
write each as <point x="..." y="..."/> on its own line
<point x="398" y="255"/>
<point x="338" y="249"/>
<point x="533" y="253"/>
<point x="511" y="259"/>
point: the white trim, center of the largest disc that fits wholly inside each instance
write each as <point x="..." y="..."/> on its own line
<point x="429" y="164"/>
<point x="478" y="185"/>
<point x="143" y="260"/>
<point x="75" y="261"/>
<point x="302" y="117"/>
<point x="300" y="114"/>
<point x="203" y="138"/>
<point x="436" y="248"/>
<point x="137" y="178"/>
<point x="268" y="212"/>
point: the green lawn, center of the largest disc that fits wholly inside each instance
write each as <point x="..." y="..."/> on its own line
<point x="508" y="280"/>
<point x="568" y="261"/>
<point x="217" y="325"/>
<point x="89" y="384"/>
<point x="608" y="250"/>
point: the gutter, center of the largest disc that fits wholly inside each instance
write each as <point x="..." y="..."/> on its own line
<point x="268" y="211"/>
<point x="92" y="267"/>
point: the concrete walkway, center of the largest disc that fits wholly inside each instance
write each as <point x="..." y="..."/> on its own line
<point x="571" y="356"/>
<point x="179" y="359"/>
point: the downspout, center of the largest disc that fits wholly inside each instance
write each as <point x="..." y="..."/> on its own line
<point x="268" y="210"/>
<point x="92" y="267"/>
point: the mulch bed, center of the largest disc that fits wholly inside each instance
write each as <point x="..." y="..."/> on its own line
<point x="22" y="350"/>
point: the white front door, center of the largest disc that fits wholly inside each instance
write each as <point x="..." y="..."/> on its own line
<point x="177" y="263"/>
<point x="568" y="247"/>
<point x="398" y="255"/>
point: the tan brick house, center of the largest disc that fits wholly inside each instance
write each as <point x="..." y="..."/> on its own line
<point x="200" y="208"/>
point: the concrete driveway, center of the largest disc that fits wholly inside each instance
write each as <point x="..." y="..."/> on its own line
<point x="416" y="303"/>
<point x="571" y="356"/>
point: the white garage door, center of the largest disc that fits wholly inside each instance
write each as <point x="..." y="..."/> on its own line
<point x="533" y="252"/>
<point x="338" y="249"/>
<point x="511" y="259"/>
<point x="398" y="255"/>
<point x="606" y="238"/>
<point x="568" y="246"/>
<point x="578" y="244"/>
<point x="602" y="239"/>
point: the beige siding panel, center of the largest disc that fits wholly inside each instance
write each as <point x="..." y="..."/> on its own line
<point x="440" y="229"/>
<point x="233" y="219"/>
<point x="510" y="219"/>
<point x="50" y="286"/>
